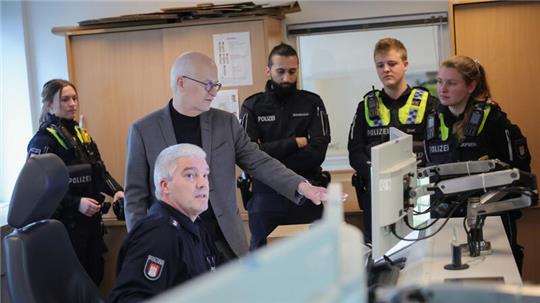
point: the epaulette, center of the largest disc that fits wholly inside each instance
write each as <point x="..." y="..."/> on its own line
<point x="174" y="223"/>
<point x="310" y="93"/>
<point x="421" y="88"/>
<point x="254" y="95"/>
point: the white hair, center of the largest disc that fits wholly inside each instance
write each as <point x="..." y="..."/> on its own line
<point x="166" y="162"/>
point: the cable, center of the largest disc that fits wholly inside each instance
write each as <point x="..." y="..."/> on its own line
<point x="393" y="227"/>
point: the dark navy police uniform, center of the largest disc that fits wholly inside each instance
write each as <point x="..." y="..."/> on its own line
<point x="163" y="250"/>
<point x="88" y="178"/>
<point x="489" y="135"/>
<point x="376" y="113"/>
<point x="274" y="121"/>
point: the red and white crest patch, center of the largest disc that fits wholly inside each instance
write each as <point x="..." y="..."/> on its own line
<point x="153" y="267"/>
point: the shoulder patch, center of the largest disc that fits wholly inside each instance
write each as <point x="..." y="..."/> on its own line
<point x="35" y="151"/>
<point x="153" y="268"/>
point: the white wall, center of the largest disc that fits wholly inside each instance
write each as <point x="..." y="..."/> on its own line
<point x="14" y="131"/>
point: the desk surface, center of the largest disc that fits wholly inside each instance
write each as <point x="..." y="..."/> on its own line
<point x="426" y="258"/>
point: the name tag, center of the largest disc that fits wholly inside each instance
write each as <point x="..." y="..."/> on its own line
<point x="468" y="144"/>
<point x="300" y="115"/>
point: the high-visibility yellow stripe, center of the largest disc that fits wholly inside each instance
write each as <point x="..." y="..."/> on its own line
<point x="55" y="134"/>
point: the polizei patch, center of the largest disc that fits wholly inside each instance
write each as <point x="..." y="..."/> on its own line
<point x="153" y="267"/>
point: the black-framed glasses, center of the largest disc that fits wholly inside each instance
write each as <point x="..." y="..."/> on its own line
<point x="208" y="85"/>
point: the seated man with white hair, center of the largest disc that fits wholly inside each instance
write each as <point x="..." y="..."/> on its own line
<point x="170" y="245"/>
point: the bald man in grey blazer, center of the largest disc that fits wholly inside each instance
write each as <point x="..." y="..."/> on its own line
<point x="188" y="118"/>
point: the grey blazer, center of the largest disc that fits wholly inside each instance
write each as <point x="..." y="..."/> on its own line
<point x="225" y="143"/>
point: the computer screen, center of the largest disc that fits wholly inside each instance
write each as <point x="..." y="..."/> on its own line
<point x="393" y="170"/>
<point x="322" y="264"/>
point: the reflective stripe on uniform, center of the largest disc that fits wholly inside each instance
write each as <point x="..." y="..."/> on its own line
<point x="415" y="107"/>
<point x="444" y="129"/>
<point x="55" y="134"/>
<point x="384" y="112"/>
<point x="83" y="135"/>
<point x="411" y="113"/>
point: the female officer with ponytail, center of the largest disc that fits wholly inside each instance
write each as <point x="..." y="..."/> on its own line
<point x="470" y="126"/>
<point x="81" y="208"/>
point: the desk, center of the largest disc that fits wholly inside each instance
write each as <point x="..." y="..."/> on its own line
<point x="283" y="231"/>
<point x="426" y="258"/>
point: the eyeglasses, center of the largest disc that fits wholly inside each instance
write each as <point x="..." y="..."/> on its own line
<point x="208" y="85"/>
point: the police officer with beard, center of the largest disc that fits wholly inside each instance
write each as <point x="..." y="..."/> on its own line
<point x="396" y="105"/>
<point x="290" y="125"/>
<point x="81" y="208"/>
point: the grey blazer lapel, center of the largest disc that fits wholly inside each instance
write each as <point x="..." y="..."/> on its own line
<point x="166" y="126"/>
<point x="206" y="135"/>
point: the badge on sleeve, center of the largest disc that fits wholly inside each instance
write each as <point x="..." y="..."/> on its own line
<point x="153" y="267"/>
<point x="521" y="147"/>
<point x="34" y="151"/>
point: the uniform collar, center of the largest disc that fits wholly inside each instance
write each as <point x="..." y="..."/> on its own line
<point x="53" y="119"/>
<point x="178" y="219"/>
<point x="399" y="102"/>
<point x="270" y="92"/>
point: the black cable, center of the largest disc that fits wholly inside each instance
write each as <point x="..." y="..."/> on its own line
<point x="393" y="230"/>
<point x="420" y="228"/>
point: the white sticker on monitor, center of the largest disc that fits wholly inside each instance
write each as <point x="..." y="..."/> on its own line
<point x="385" y="184"/>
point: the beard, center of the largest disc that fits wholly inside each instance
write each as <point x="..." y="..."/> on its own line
<point x="284" y="89"/>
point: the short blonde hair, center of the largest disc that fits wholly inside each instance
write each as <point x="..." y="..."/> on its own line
<point x="386" y="44"/>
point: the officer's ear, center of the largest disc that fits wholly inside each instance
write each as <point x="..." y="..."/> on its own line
<point x="471" y="86"/>
<point x="164" y="187"/>
<point x="267" y="70"/>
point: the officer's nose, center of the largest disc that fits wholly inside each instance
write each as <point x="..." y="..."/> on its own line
<point x="202" y="182"/>
<point x="286" y="77"/>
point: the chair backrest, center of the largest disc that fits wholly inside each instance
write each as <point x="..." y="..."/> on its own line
<point x="40" y="261"/>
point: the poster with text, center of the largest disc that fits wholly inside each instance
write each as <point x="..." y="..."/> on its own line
<point x="232" y="53"/>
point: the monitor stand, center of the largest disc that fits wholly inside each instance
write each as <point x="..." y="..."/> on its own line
<point x="384" y="273"/>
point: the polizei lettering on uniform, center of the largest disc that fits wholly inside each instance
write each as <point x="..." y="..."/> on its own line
<point x="80" y="179"/>
<point x="442" y="148"/>
<point x="266" y="118"/>
<point x="378" y="131"/>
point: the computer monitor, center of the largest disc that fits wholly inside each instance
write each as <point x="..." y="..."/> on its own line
<point x="322" y="264"/>
<point x="393" y="171"/>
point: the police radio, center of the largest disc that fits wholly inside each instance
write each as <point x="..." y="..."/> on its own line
<point x="430" y="127"/>
<point x="373" y="105"/>
<point x="474" y="122"/>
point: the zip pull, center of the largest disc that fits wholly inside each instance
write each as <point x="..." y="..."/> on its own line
<point x="211" y="261"/>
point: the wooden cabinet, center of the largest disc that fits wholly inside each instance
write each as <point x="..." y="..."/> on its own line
<point x="503" y="36"/>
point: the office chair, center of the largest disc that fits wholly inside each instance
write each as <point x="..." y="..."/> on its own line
<point x="40" y="261"/>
